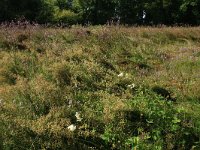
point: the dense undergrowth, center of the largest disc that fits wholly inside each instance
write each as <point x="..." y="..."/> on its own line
<point x="100" y="88"/>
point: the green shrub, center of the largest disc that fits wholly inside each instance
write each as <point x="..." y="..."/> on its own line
<point x="66" y="17"/>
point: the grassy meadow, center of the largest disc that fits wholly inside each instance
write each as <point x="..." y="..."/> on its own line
<point x="100" y="87"/>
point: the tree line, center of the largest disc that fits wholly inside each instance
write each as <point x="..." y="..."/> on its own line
<point x="141" y="12"/>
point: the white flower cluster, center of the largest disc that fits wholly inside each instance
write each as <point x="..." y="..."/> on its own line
<point x="131" y="86"/>
<point x="73" y="127"/>
<point x="122" y="74"/>
<point x="78" y="117"/>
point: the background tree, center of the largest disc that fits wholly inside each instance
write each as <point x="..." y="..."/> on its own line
<point x="98" y="12"/>
<point x="131" y="11"/>
<point x="147" y="12"/>
<point x="190" y="12"/>
<point x="11" y="9"/>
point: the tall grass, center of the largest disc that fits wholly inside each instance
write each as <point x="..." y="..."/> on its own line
<point x="101" y="87"/>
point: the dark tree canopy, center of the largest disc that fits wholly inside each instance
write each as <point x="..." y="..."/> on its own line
<point x="147" y="12"/>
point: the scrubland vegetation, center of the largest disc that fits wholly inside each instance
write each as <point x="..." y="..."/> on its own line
<point x="100" y="87"/>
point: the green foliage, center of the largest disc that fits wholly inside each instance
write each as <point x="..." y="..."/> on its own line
<point x="47" y="10"/>
<point x="190" y="8"/>
<point x="67" y="16"/>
